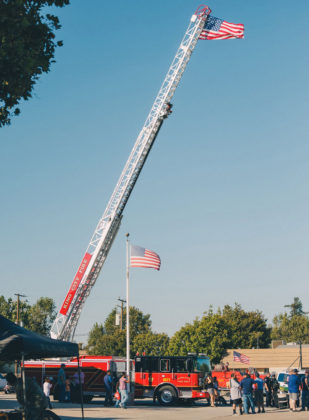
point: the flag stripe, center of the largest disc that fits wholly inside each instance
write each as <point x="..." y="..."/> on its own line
<point x="141" y="257"/>
<point x="239" y="357"/>
<point x="220" y="29"/>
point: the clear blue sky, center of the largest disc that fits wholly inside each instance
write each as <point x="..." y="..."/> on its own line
<point x="223" y="197"/>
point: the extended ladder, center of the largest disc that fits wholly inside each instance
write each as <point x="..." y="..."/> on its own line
<point x="66" y="321"/>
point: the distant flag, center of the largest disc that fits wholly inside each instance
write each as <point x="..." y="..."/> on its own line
<point x="216" y="28"/>
<point x="141" y="257"/>
<point x="239" y="357"/>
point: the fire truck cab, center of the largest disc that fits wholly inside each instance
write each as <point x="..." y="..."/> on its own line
<point x="169" y="379"/>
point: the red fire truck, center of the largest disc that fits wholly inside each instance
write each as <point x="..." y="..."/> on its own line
<point x="167" y="379"/>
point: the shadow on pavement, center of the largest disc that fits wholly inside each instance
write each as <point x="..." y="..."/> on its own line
<point x="93" y="418"/>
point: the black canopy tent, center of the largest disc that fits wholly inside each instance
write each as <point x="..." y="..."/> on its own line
<point x="16" y="340"/>
<point x="18" y="343"/>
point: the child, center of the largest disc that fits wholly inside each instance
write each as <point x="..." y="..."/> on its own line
<point x="46" y="389"/>
<point x="117" y="396"/>
<point x="67" y="394"/>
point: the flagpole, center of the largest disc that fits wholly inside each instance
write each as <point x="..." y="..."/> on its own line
<point x="128" y="308"/>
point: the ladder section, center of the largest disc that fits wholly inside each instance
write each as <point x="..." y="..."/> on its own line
<point x="66" y="321"/>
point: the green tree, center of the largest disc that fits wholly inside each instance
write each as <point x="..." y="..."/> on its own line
<point x="27" y="49"/>
<point x="207" y="335"/>
<point x="140" y="323"/>
<point x="215" y="332"/>
<point x="8" y="309"/>
<point x="42" y="315"/>
<point x="296" y="307"/>
<point x="153" y="344"/>
<point x="37" y="317"/>
<point x="110" y="340"/>
<point x="292" y="327"/>
<point x="244" y="328"/>
<point x="94" y="337"/>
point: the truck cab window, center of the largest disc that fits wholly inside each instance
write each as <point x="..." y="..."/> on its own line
<point x="180" y="365"/>
<point x="164" y="365"/>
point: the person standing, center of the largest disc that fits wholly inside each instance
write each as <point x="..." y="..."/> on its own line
<point x="67" y="392"/>
<point x="123" y="388"/>
<point x="61" y="382"/>
<point x="275" y="387"/>
<point x="305" y="391"/>
<point x="76" y="377"/>
<point x="108" y="383"/>
<point x="216" y="389"/>
<point x="247" y="388"/>
<point x="267" y="383"/>
<point x="46" y="389"/>
<point x="235" y="392"/>
<point x="209" y="385"/>
<point x="293" y="385"/>
<point x="258" y="393"/>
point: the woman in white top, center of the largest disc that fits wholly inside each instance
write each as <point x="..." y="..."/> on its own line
<point x="46" y="389"/>
<point x="235" y="392"/>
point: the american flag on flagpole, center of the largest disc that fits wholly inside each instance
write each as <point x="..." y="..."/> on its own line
<point x="141" y="257"/>
<point x="216" y="28"/>
<point x="239" y="357"/>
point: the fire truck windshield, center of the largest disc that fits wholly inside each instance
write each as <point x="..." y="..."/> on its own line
<point x="202" y="364"/>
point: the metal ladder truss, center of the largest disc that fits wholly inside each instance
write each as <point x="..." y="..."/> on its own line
<point x="102" y="239"/>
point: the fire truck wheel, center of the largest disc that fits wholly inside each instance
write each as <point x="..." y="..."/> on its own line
<point x="166" y="395"/>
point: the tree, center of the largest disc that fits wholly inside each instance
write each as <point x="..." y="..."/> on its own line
<point x="110" y="340"/>
<point x="37" y="317"/>
<point x="27" y="49"/>
<point x="153" y="344"/>
<point x="245" y="328"/>
<point x="208" y="335"/>
<point x="42" y="315"/>
<point x="8" y="309"/>
<point x="94" y="337"/>
<point x="293" y="327"/>
<point x="215" y="332"/>
<point x="296" y="307"/>
<point x="139" y="323"/>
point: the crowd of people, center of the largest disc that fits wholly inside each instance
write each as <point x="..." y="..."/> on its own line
<point x="248" y="394"/>
<point x="117" y="390"/>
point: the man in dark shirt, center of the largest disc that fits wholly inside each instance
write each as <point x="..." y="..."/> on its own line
<point x="247" y="387"/>
<point x="108" y="383"/>
<point x="305" y="391"/>
<point x="267" y="382"/>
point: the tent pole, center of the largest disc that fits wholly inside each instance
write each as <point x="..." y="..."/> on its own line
<point x="23" y="379"/>
<point x="80" y="388"/>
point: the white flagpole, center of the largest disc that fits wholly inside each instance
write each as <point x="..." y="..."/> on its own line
<point x="128" y="307"/>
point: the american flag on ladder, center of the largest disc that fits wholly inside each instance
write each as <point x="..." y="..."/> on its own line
<point x="216" y="28"/>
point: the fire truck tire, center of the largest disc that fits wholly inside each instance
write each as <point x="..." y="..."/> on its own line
<point x="167" y="395"/>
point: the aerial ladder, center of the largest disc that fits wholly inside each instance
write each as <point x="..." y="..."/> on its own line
<point x="102" y="239"/>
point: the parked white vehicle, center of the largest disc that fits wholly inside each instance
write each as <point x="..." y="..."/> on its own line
<point x="282" y="378"/>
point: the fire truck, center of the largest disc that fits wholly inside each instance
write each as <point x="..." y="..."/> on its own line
<point x="166" y="379"/>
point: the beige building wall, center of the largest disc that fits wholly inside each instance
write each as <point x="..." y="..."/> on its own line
<point x="273" y="359"/>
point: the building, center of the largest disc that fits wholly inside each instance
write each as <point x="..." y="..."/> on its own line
<point x="273" y="359"/>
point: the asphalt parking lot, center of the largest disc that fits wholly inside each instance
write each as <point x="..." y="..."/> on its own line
<point x="145" y="409"/>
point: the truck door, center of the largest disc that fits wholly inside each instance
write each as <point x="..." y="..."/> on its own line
<point x="182" y="373"/>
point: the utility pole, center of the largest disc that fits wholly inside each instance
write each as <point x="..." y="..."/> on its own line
<point x="18" y="304"/>
<point x="17" y="322"/>
<point x="121" y="311"/>
<point x="300" y="355"/>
